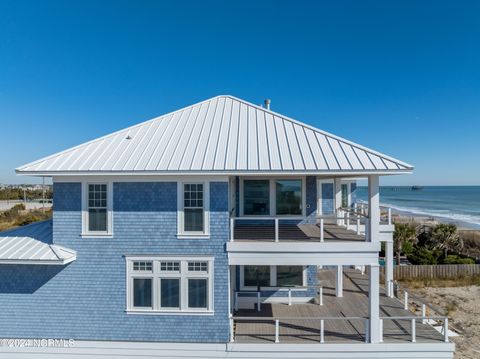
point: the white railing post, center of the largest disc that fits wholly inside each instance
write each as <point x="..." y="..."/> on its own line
<point x="367" y="331"/>
<point x="320" y="296"/>
<point x="405" y="300"/>
<point x="277" y="331"/>
<point x="414" y="338"/>
<point x="358" y="225"/>
<point x="424" y="314"/>
<point x="347" y="219"/>
<point x="276" y="230"/>
<point x="232" y="334"/>
<point x="289" y="296"/>
<point x="445" y="330"/>
<point x="321" y="230"/>
<point x="381" y="330"/>
<point x="236" y="301"/>
<point x="322" y="331"/>
<point x="259" y="305"/>
<point x="232" y="228"/>
<point x="389" y="216"/>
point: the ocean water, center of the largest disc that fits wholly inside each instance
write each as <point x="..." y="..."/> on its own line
<point x="457" y="204"/>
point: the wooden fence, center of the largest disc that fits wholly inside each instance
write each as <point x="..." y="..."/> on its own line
<point x="440" y="271"/>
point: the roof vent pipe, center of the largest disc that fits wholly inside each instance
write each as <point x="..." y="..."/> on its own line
<point x="267" y="103"/>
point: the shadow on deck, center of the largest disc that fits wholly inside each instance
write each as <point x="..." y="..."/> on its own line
<point x="293" y="232"/>
<point x="354" y="303"/>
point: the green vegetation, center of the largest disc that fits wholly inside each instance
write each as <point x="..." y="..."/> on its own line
<point x="18" y="194"/>
<point x="403" y="238"/>
<point x="18" y="216"/>
<point x="440" y="244"/>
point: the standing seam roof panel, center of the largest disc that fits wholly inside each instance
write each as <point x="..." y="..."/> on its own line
<point x="192" y="144"/>
<point x="204" y="137"/>
<point x="263" y="149"/>
<point x="209" y="157"/>
<point x="285" y="157"/>
<point x="221" y="151"/>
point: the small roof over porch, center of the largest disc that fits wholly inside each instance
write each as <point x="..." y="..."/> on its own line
<point x="31" y="244"/>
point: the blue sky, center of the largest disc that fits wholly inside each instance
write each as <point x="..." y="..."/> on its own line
<point x="402" y="77"/>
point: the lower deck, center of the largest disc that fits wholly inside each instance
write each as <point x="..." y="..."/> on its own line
<point x="353" y="304"/>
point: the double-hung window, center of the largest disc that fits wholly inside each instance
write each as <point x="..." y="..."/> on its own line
<point x="170" y="285"/>
<point x="97" y="209"/>
<point x="193" y="217"/>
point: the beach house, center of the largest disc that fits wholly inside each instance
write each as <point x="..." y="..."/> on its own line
<point x="222" y="229"/>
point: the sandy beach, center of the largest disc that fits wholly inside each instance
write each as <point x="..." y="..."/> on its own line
<point x="462" y="307"/>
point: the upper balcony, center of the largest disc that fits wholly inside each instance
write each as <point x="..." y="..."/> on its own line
<point x="343" y="234"/>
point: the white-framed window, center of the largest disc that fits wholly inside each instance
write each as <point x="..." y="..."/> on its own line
<point x="272" y="277"/>
<point x="272" y="197"/>
<point x="193" y="210"/>
<point x="182" y="285"/>
<point x="97" y="209"/>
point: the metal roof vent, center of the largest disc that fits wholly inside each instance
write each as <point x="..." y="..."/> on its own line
<point x="128" y="137"/>
<point x="267" y="103"/>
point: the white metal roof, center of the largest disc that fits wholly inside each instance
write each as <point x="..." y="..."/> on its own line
<point x="30" y="245"/>
<point x="220" y="135"/>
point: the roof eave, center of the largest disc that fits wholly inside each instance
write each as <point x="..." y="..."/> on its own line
<point x="210" y="173"/>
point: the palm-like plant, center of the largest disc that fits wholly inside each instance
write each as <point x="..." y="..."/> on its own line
<point x="446" y="237"/>
<point x="404" y="232"/>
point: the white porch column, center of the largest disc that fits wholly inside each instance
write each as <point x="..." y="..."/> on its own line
<point x="389" y="267"/>
<point x="337" y="190"/>
<point x="232" y="289"/>
<point x="373" y="208"/>
<point x="374" y="303"/>
<point x="339" y="282"/>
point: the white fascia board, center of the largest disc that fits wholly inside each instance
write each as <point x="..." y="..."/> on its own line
<point x="297" y="259"/>
<point x="59" y="262"/>
<point x="304" y="247"/>
<point x="214" y="173"/>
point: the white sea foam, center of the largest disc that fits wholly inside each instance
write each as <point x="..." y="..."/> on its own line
<point x="445" y="214"/>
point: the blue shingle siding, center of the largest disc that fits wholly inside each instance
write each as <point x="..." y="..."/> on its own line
<point x="327" y="198"/>
<point x="86" y="299"/>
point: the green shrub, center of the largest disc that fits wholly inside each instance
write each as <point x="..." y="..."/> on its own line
<point x="27" y="219"/>
<point x="454" y="259"/>
<point x="422" y="255"/>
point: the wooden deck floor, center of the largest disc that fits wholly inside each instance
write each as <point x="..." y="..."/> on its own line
<point x="353" y="304"/>
<point x="293" y="232"/>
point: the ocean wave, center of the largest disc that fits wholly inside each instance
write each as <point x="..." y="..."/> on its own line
<point x="446" y="214"/>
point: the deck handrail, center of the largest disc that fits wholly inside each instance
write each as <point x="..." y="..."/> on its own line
<point x="413" y="321"/>
<point x="277" y="289"/>
<point x="277" y="319"/>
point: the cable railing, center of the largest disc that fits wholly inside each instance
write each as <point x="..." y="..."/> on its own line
<point x="277" y="321"/>
<point x="413" y="325"/>
<point x="288" y="290"/>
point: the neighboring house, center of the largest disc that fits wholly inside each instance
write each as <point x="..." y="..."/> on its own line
<point x="171" y="236"/>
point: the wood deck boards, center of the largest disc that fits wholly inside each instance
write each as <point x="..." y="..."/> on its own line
<point x="293" y="232"/>
<point x="354" y="303"/>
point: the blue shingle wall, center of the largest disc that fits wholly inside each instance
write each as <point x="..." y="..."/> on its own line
<point x="86" y="299"/>
<point x="327" y="198"/>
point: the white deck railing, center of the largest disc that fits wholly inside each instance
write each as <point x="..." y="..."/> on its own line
<point x="413" y="326"/>
<point x="288" y="290"/>
<point x="277" y="321"/>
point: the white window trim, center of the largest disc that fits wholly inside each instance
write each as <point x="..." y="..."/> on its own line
<point x="181" y="233"/>
<point x="273" y="280"/>
<point x="156" y="275"/>
<point x="273" y="197"/>
<point x="96" y="234"/>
